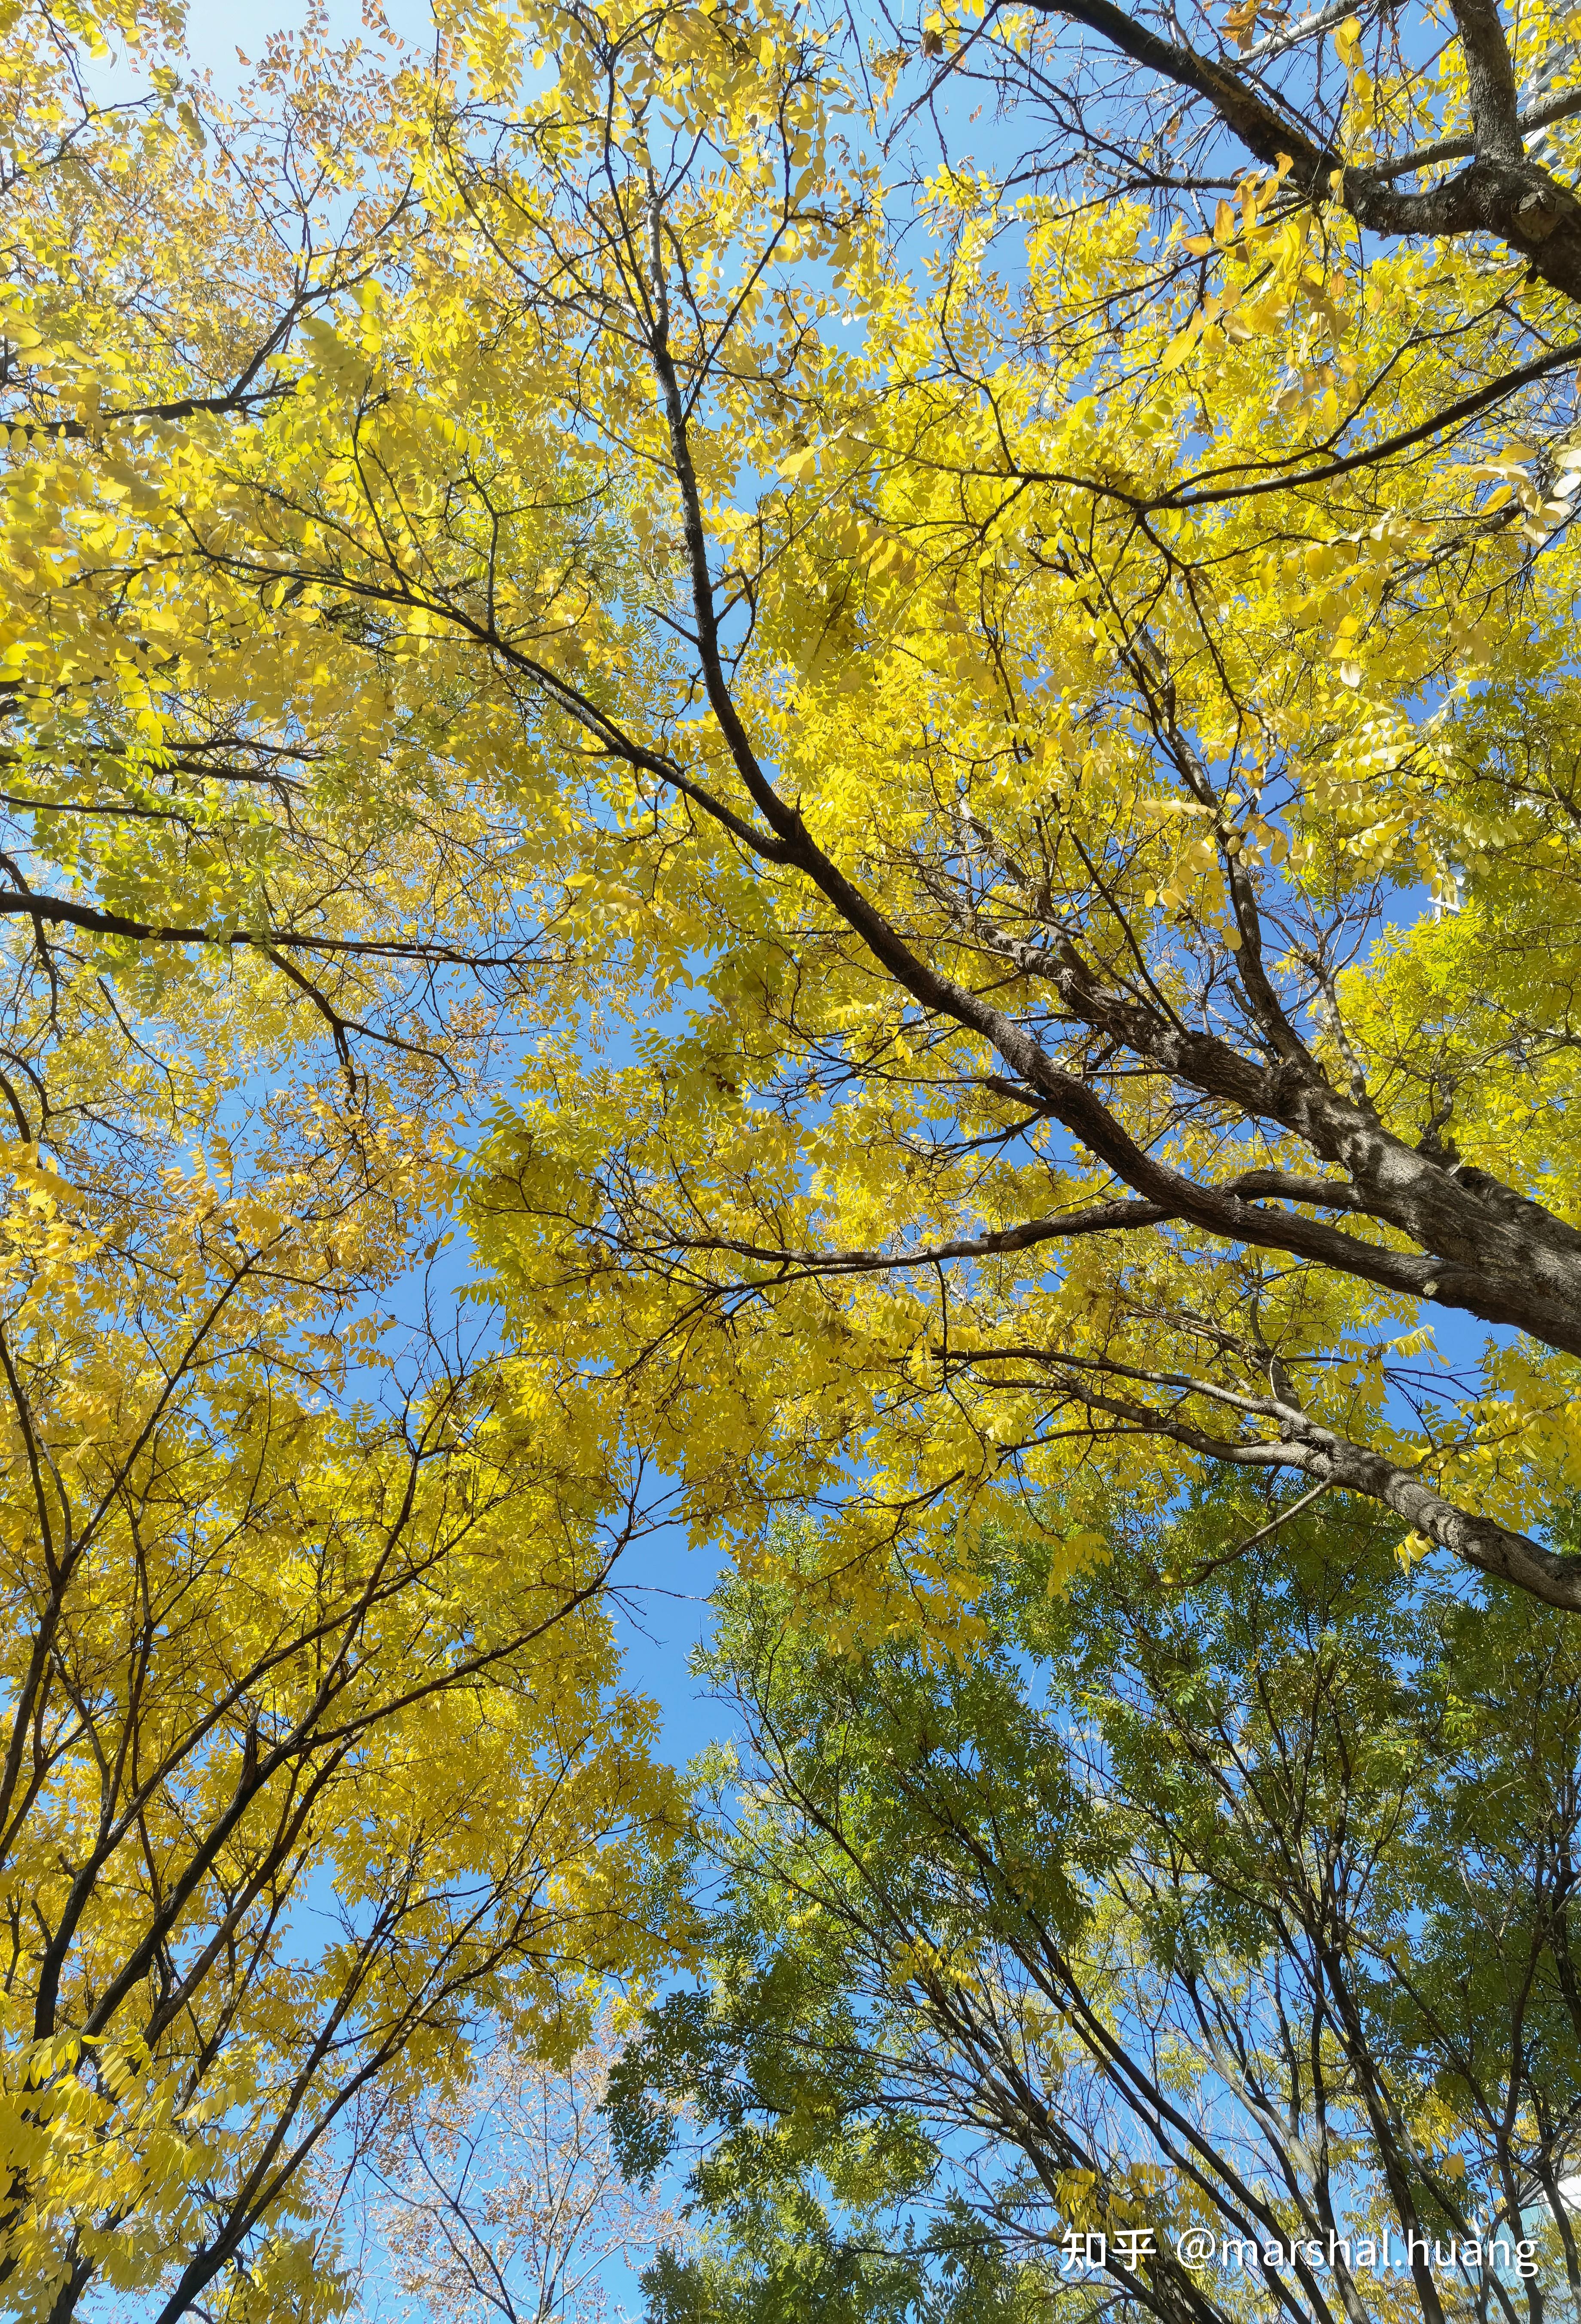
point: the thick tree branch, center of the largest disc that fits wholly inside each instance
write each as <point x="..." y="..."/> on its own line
<point x="1522" y="1272"/>
<point x="1502" y="192"/>
<point x="1305" y="1445"/>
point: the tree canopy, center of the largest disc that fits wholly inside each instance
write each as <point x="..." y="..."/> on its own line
<point x="1137" y="701"/>
<point x="1238" y="1918"/>
<point x="314" y="1754"/>
<point x="935" y="798"/>
<point x="1059" y="747"/>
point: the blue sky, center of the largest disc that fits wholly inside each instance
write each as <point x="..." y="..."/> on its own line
<point x="216" y="33"/>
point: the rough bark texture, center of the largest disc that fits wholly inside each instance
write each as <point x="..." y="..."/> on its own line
<point x="1502" y="192"/>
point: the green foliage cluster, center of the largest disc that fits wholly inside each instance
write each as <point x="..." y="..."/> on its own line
<point x="1233" y="1892"/>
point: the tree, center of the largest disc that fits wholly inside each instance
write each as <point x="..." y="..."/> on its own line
<point x="1226" y="1898"/>
<point x="313" y="1753"/>
<point x="1056" y="997"/>
<point x="1124" y="927"/>
<point x="507" y="2201"/>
